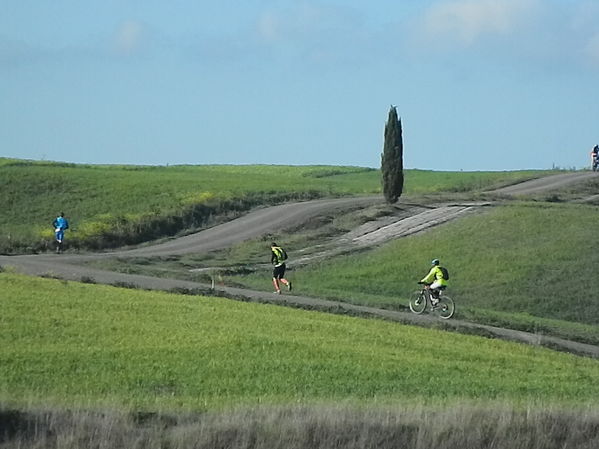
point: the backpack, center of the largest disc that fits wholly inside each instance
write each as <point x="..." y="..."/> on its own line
<point x="280" y="253"/>
<point x="445" y="273"/>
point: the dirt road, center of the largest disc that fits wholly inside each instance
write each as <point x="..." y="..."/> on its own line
<point x="272" y="219"/>
<point x="547" y="183"/>
<point x="260" y="221"/>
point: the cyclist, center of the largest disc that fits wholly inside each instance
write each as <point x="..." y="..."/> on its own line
<point x="278" y="258"/>
<point x="60" y="225"/>
<point x="435" y="280"/>
<point x="594" y="157"/>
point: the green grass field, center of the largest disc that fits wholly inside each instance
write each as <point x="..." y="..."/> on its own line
<point x="67" y="344"/>
<point x="72" y="346"/>
<point x="516" y="253"/>
<point x="528" y="266"/>
<point x="112" y="206"/>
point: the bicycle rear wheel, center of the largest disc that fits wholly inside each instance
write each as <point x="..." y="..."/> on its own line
<point x="418" y="302"/>
<point x="445" y="308"/>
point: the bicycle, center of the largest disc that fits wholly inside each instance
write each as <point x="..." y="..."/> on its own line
<point x="444" y="307"/>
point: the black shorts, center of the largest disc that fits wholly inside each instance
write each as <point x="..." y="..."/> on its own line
<point x="278" y="272"/>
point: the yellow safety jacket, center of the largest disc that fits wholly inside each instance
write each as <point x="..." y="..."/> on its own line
<point x="434" y="275"/>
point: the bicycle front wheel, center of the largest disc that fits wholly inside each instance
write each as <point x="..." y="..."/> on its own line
<point x="445" y="308"/>
<point x="418" y="302"/>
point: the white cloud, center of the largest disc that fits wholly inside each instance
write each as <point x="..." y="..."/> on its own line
<point x="269" y="26"/>
<point x="129" y="37"/>
<point x="314" y="32"/>
<point x="465" y="21"/>
<point x="585" y="15"/>
<point x="584" y="33"/>
<point x="306" y="21"/>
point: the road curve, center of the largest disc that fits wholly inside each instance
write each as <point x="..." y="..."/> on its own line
<point x="254" y="224"/>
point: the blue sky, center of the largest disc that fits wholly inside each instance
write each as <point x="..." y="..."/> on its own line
<point x="479" y="84"/>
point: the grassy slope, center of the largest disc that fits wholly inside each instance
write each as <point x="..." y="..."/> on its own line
<point x="93" y="345"/>
<point x="98" y="199"/>
<point x="535" y="258"/>
<point x="521" y="261"/>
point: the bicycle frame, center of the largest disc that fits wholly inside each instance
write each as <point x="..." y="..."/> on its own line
<point x="422" y="300"/>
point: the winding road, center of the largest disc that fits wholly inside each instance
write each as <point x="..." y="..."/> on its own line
<point x="272" y="219"/>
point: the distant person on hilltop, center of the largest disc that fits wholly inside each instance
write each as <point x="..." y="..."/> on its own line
<point x="278" y="258"/>
<point x="60" y="224"/>
<point x="595" y="157"/>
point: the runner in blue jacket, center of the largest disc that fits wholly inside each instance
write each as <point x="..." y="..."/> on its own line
<point x="60" y="225"/>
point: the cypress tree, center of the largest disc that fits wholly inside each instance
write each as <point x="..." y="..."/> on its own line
<point x="392" y="158"/>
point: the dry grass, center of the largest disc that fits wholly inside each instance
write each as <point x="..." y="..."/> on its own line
<point x="419" y="427"/>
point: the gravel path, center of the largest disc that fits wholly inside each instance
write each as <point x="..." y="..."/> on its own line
<point x="546" y="183"/>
